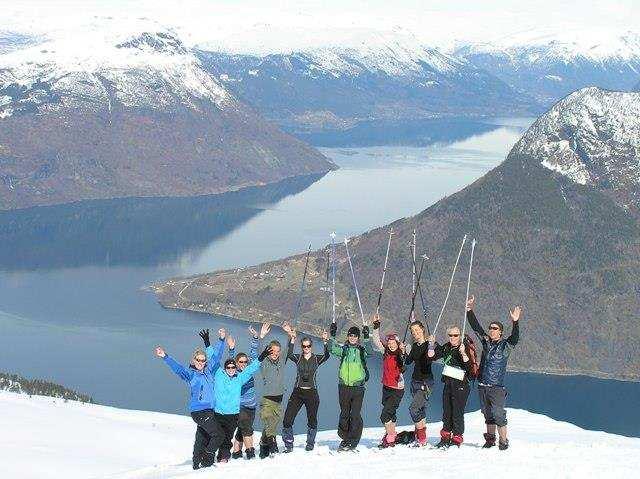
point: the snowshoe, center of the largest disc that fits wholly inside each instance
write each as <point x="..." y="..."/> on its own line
<point x="273" y="446"/>
<point x="503" y="446"/>
<point x="236" y="455"/>
<point x="344" y="446"/>
<point x="445" y="440"/>
<point x="489" y="440"/>
<point x="264" y="451"/>
<point x="250" y="453"/>
<point x="208" y="460"/>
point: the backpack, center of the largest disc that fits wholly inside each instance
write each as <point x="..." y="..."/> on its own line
<point x="362" y="358"/>
<point x="473" y="357"/>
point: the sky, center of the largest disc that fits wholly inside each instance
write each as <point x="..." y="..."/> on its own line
<point x="432" y="22"/>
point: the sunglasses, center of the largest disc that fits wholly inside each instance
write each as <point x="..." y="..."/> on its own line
<point x="454" y="335"/>
<point x="306" y="346"/>
<point x="230" y="367"/>
<point x="352" y="335"/>
<point x="495" y="328"/>
<point x="242" y="361"/>
<point x="198" y="360"/>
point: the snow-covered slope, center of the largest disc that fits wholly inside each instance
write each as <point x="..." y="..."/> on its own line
<point x="548" y="63"/>
<point x="42" y="438"/>
<point x="592" y="137"/>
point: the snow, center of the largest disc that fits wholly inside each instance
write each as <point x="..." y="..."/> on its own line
<point x="592" y="137"/>
<point x="47" y="438"/>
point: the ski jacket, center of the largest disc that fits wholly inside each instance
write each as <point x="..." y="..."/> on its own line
<point x="422" y="368"/>
<point x="307" y="368"/>
<point x="248" y="393"/>
<point x="392" y="363"/>
<point x="272" y="373"/>
<point x="495" y="354"/>
<point x="452" y="357"/>
<point x="353" y="365"/>
<point x="228" y="389"/>
<point x="201" y="383"/>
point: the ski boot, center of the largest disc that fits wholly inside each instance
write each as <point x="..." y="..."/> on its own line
<point x="250" y="453"/>
<point x="236" y="455"/>
<point x="489" y="440"/>
<point x="503" y="446"/>
<point x="445" y="440"/>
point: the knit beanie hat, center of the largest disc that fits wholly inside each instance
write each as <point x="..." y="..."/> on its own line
<point x="354" y="330"/>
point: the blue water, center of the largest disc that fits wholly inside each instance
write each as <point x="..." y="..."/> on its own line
<point x="71" y="307"/>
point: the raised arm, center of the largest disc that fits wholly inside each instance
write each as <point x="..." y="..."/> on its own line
<point x="366" y="341"/>
<point x="214" y="354"/>
<point x="182" y="372"/>
<point x="253" y="348"/>
<point x="290" y="356"/>
<point x="249" y="371"/>
<point x="515" y="326"/>
<point x="323" y="357"/>
<point x="377" y="342"/>
<point x="334" y="347"/>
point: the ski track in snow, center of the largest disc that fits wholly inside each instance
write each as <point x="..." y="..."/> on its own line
<point x="48" y="438"/>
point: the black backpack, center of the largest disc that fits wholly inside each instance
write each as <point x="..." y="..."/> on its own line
<point x="362" y="358"/>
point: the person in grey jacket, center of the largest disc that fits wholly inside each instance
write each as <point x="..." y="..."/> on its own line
<point x="305" y="391"/>
<point x="493" y="367"/>
<point x="272" y="373"/>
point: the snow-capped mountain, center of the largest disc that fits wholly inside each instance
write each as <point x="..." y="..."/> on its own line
<point x="381" y="77"/>
<point x="128" y="112"/>
<point x="46" y="438"/>
<point x="549" y="64"/>
<point x="593" y="138"/>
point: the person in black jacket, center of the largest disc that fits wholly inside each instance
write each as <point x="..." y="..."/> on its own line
<point x="493" y="367"/>
<point x="455" y="391"/>
<point x="421" y="380"/>
<point x="305" y="391"/>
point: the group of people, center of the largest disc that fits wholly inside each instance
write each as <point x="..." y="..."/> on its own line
<point x="223" y="400"/>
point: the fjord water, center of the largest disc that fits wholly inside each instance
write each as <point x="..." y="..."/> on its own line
<point x="72" y="309"/>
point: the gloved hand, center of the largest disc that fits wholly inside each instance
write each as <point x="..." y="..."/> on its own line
<point x="365" y="332"/>
<point x="376" y="323"/>
<point x="333" y="329"/>
<point x="264" y="353"/>
<point x="204" y="334"/>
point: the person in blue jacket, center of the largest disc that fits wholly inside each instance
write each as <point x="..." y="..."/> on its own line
<point x="227" y="392"/>
<point x="248" y="402"/>
<point x="200" y="377"/>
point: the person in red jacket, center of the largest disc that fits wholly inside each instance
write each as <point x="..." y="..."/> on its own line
<point x="392" y="380"/>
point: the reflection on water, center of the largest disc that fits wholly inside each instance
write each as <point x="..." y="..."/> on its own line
<point x="71" y="309"/>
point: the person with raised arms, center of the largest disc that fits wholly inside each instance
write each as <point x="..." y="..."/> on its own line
<point x="305" y="390"/>
<point x="352" y="376"/>
<point x="199" y="375"/>
<point x="493" y="366"/>
<point x="421" y="381"/>
<point x="392" y="380"/>
<point x="455" y="392"/>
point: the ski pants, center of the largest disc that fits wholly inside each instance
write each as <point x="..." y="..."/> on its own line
<point x="454" y="399"/>
<point x="492" y="401"/>
<point x="420" y="392"/>
<point x="270" y="414"/>
<point x="211" y="437"/>
<point x="299" y="397"/>
<point x="391" y="399"/>
<point x="350" y="422"/>
<point x="245" y="423"/>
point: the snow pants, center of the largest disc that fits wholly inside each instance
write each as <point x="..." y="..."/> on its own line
<point x="299" y="397"/>
<point x="350" y="422"/>
<point x="420" y="392"/>
<point x="492" y="402"/>
<point x="211" y="436"/>
<point x="270" y="414"/>
<point x="391" y="399"/>
<point x="454" y="399"/>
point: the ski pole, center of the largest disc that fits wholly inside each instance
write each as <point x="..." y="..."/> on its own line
<point x="304" y="277"/>
<point x="424" y="307"/>
<point x="384" y="270"/>
<point x="355" y="285"/>
<point x="333" y="277"/>
<point x="413" y="298"/>
<point x="327" y="291"/>
<point x="413" y="256"/>
<point x="455" y="267"/>
<point x="464" y="321"/>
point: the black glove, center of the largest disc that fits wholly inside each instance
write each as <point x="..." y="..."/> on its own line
<point x="333" y="329"/>
<point x="365" y="332"/>
<point x="204" y="334"/>
<point x="264" y="353"/>
<point x="376" y="324"/>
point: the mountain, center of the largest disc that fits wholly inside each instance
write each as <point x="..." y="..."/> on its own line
<point x="45" y="438"/>
<point x="128" y="112"/>
<point x="380" y="77"/>
<point x="547" y="65"/>
<point x="557" y="230"/>
<point x="38" y="387"/>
